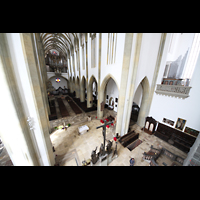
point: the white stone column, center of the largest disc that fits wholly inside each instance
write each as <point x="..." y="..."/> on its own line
<point x="131" y="81"/>
<point x="14" y="131"/>
<point x="25" y="68"/>
<point x="144" y="103"/>
<point x="157" y="68"/>
<point x="147" y="98"/>
<point x="99" y="115"/>
<point x="124" y="79"/>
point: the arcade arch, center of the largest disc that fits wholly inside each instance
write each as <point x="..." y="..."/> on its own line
<point x="90" y="91"/>
<point x="66" y="84"/>
<point x="102" y="95"/>
<point x="144" y="102"/>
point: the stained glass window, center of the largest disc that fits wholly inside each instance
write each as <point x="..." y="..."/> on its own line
<point x="58" y="80"/>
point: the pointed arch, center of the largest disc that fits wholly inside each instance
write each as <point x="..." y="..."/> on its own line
<point x="67" y="86"/>
<point x="77" y="80"/>
<point x="145" y="84"/>
<point x="83" y="79"/>
<point x="90" y="91"/>
<point x="102" y="94"/>
<point x="144" y="102"/>
<point x="105" y="81"/>
<point x="92" y="79"/>
<point x="58" y="76"/>
<point x="111" y="101"/>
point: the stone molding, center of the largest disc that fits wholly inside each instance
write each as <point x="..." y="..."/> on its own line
<point x="173" y="90"/>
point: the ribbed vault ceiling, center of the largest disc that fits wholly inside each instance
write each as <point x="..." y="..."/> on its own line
<point x="62" y="42"/>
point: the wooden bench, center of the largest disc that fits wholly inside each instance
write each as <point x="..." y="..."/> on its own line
<point x="125" y="140"/>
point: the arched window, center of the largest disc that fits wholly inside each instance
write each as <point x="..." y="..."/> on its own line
<point x="151" y="127"/>
<point x="147" y="125"/>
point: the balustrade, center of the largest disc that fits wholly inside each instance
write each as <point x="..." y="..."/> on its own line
<point x="173" y="90"/>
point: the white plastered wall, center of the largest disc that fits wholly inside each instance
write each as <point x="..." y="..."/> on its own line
<point x="115" y="68"/>
<point x="148" y="57"/>
<point x="61" y="84"/>
<point x="91" y="70"/>
<point x="173" y="108"/>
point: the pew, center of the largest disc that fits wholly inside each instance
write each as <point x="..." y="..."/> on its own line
<point x="63" y="110"/>
<point x="74" y="107"/>
<point x="52" y="107"/>
<point x="128" y="138"/>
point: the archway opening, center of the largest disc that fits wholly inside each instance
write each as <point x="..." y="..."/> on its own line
<point x="109" y="88"/>
<point x="136" y="105"/>
<point x="57" y="85"/>
<point x="144" y="102"/>
<point x="92" y="93"/>
<point x="140" y="101"/>
<point x="111" y="95"/>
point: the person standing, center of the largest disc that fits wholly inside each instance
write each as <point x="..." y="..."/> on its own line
<point x="132" y="162"/>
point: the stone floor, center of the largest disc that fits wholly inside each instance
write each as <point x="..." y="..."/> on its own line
<point x="66" y="142"/>
<point x="72" y="148"/>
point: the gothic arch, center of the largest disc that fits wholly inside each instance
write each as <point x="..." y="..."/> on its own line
<point x="105" y="81"/>
<point x="144" y="102"/>
<point x="92" y="79"/>
<point x="103" y="90"/>
<point x="83" y="79"/>
<point x="103" y="86"/>
<point x="58" y="77"/>
<point x="77" y="80"/>
<point x="90" y="91"/>
<point x="111" y="101"/>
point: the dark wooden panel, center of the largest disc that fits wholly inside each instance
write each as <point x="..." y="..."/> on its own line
<point x="177" y="138"/>
<point x="125" y="140"/>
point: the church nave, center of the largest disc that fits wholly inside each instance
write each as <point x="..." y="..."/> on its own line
<point x="117" y="84"/>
